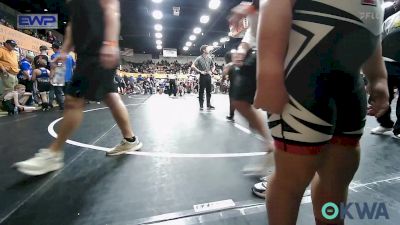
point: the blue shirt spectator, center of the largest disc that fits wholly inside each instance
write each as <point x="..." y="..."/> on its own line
<point x="69" y="62"/>
<point x="26" y="67"/>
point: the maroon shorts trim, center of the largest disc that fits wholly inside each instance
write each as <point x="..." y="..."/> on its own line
<point x="316" y="149"/>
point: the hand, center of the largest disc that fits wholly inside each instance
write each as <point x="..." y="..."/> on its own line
<point x="3" y="69"/>
<point x="271" y="97"/>
<point x="238" y="58"/>
<point x="237" y="14"/>
<point x="202" y="72"/>
<point x="270" y="146"/>
<point x="379" y="98"/>
<point x="109" y="56"/>
<point x="61" y="57"/>
<point x="234" y="20"/>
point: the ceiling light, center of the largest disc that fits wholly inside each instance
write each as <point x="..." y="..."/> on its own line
<point x="159" y="42"/>
<point x="158" y="27"/>
<point x="157" y="14"/>
<point x="46" y="10"/>
<point x="157" y="1"/>
<point x="159" y="47"/>
<point x="204" y="19"/>
<point x="65" y="22"/>
<point x="158" y="35"/>
<point x="192" y="37"/>
<point x="188" y="43"/>
<point x="197" y="30"/>
<point x="185" y="48"/>
<point x="214" y="4"/>
<point x="215" y="44"/>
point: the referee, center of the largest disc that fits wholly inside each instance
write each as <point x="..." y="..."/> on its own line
<point x="204" y="65"/>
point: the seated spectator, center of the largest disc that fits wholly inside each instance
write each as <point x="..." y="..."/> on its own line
<point x="14" y="101"/>
<point x="50" y="37"/>
<point x="25" y="74"/>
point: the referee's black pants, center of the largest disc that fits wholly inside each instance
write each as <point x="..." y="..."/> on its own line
<point x="172" y="87"/>
<point x="205" y="83"/>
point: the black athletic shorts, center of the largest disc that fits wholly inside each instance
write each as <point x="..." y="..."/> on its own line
<point x="8" y="105"/>
<point x="27" y="83"/>
<point x="90" y="80"/>
<point x="43" y="86"/>
<point x="328" y="44"/>
<point x="244" y="84"/>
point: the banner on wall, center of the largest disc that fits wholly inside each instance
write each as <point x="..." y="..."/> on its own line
<point x="170" y="52"/>
<point x="24" y="41"/>
<point x="37" y="21"/>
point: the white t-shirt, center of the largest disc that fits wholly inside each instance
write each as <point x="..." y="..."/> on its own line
<point x="250" y="37"/>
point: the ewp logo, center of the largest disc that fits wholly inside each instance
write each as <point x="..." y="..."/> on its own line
<point x="377" y="210"/>
<point x="38" y="21"/>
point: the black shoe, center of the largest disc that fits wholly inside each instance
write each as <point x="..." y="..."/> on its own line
<point x="201" y="108"/>
<point x="230" y="118"/>
<point x="210" y="107"/>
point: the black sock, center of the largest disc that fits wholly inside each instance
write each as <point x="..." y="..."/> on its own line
<point x="132" y="139"/>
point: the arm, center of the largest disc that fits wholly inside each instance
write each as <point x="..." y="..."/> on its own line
<point x="68" y="40"/>
<point x="109" y="52"/>
<point x="51" y="73"/>
<point x="273" y="36"/>
<point x="3" y="69"/>
<point x="111" y="9"/>
<point x="26" y="74"/>
<point x="195" y="68"/>
<point x="239" y="55"/>
<point x="16" y="100"/>
<point x="226" y="69"/>
<point x="375" y="71"/>
<point x="34" y="74"/>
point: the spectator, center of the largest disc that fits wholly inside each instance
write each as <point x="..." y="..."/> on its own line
<point x="8" y="66"/>
<point x="41" y="75"/>
<point x="43" y="55"/>
<point x="59" y="86"/>
<point x="14" y="101"/>
<point x="25" y="74"/>
<point x="50" y="37"/>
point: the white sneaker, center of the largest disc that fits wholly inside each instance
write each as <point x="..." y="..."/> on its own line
<point x="397" y="136"/>
<point x="125" y="146"/>
<point x="260" y="189"/>
<point x="380" y="130"/>
<point x="43" y="162"/>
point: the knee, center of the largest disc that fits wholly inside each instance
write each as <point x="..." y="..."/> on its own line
<point x="73" y="103"/>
